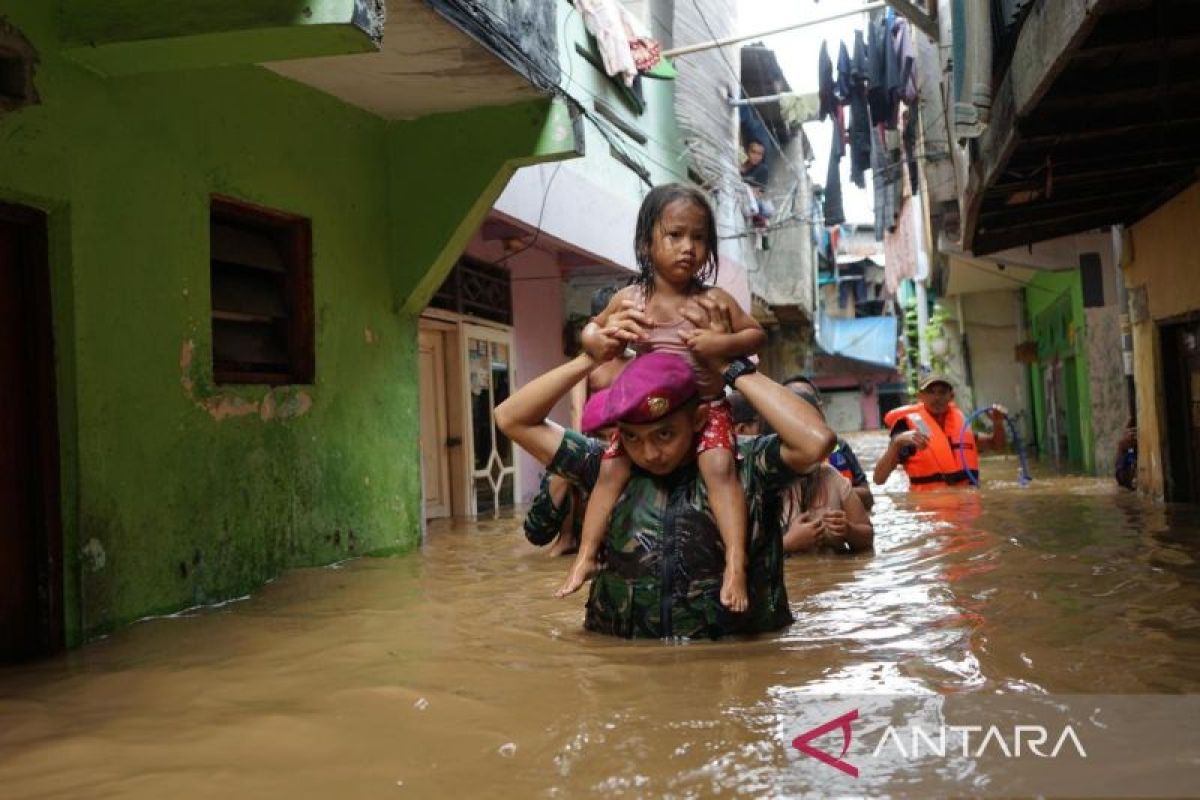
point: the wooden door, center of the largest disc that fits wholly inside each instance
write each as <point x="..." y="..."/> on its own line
<point x="435" y="467"/>
<point x="30" y="537"/>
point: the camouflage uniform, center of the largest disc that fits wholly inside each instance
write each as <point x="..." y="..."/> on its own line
<point x="544" y="520"/>
<point x="664" y="559"/>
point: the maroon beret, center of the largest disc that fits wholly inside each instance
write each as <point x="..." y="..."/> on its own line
<point x="651" y="387"/>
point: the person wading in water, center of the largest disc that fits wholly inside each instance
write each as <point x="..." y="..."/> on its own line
<point x="661" y="571"/>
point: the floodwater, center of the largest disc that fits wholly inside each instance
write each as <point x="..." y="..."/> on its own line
<point x="453" y="671"/>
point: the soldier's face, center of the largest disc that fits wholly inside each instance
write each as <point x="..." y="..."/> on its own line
<point x="660" y="447"/>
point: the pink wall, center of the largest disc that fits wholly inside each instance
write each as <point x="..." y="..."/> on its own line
<point x="866" y="382"/>
<point x="537" y="296"/>
<point x="537" y="335"/>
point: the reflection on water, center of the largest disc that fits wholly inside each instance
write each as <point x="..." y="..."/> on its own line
<point x="454" y="669"/>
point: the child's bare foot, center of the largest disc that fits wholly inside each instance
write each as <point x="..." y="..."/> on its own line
<point x="566" y="544"/>
<point x="733" y="591"/>
<point x="581" y="571"/>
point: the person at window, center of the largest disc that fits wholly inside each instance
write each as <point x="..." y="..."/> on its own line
<point x="664" y="563"/>
<point x="755" y="174"/>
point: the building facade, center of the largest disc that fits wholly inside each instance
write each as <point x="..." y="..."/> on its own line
<point x="220" y="267"/>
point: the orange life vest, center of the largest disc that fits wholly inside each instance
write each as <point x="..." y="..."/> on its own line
<point x="941" y="463"/>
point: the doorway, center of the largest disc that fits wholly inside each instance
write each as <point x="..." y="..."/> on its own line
<point x="1181" y="397"/>
<point x="31" y="579"/>
<point x="435" y="460"/>
<point x="468" y="467"/>
<point x="1056" y="392"/>
<point x="489" y="382"/>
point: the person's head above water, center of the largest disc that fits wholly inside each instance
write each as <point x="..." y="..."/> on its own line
<point x="653" y="403"/>
<point x="676" y="238"/>
<point x="936" y="392"/>
<point x="803" y="387"/>
<point x="601" y="298"/>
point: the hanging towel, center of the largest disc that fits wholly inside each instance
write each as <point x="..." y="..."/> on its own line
<point x="972" y="67"/>
<point x="607" y="21"/>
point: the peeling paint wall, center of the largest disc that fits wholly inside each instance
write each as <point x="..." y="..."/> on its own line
<point x="1163" y="267"/>
<point x="178" y="491"/>
<point x="1106" y="371"/>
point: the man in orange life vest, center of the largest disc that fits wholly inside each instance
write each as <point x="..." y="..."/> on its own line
<point x="926" y="439"/>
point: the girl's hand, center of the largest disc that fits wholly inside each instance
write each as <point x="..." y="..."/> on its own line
<point x="707" y="347"/>
<point x="833" y="534"/>
<point x="624" y="326"/>
<point x="713" y="320"/>
<point x="804" y="533"/>
<point x="836" y="522"/>
<point x="600" y="344"/>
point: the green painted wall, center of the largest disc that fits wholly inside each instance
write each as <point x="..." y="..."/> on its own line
<point x="1054" y="303"/>
<point x="175" y="491"/>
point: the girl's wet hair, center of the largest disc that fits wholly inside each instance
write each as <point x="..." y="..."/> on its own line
<point x="648" y="217"/>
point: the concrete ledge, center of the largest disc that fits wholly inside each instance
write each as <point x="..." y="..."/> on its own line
<point x="130" y="36"/>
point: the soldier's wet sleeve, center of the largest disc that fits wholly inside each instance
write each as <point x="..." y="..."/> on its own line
<point x="544" y="520"/>
<point x="577" y="459"/>
<point x="763" y="464"/>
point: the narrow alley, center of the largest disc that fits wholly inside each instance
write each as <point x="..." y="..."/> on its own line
<point x="316" y="316"/>
<point x="454" y="668"/>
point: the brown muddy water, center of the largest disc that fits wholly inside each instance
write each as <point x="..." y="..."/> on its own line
<point x="454" y="671"/>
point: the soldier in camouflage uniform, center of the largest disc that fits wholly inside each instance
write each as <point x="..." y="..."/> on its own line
<point x="664" y="560"/>
<point x="662" y="572"/>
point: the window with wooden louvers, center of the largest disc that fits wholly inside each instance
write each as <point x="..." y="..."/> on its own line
<point x="261" y="293"/>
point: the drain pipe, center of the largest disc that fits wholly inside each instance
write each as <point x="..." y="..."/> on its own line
<point x="1118" y="248"/>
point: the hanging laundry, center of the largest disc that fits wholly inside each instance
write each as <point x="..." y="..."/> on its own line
<point x="841" y="87"/>
<point x="900" y="248"/>
<point x="908" y="118"/>
<point x="825" y="83"/>
<point x="646" y="52"/>
<point x="827" y="90"/>
<point x="886" y="174"/>
<point x="625" y="47"/>
<point x="903" y="72"/>
<point x="841" y="95"/>
<point x="971" y="66"/>
<point x="834" y="211"/>
<point x="860" y="116"/>
<point x="878" y="52"/>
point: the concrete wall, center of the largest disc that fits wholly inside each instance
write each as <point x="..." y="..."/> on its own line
<point x="1161" y="274"/>
<point x="178" y="491"/>
<point x="991" y="329"/>
<point x="1106" y="376"/>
